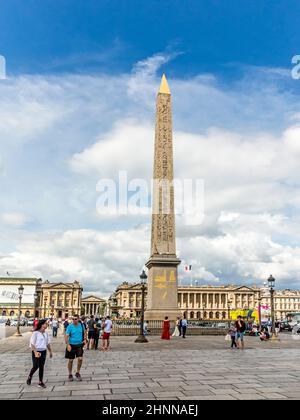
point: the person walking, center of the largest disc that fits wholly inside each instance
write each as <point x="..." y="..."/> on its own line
<point x="269" y="326"/>
<point x="65" y="325"/>
<point x="39" y="343"/>
<point x="75" y="339"/>
<point x="184" y="325"/>
<point x="232" y="333"/>
<point x="107" y="326"/>
<point x="240" y="327"/>
<point x="177" y="329"/>
<point x="145" y="328"/>
<point x="35" y="322"/>
<point x="91" y="332"/>
<point x="54" y="327"/>
<point x="97" y="327"/>
<point x="166" y="329"/>
<point x="277" y="327"/>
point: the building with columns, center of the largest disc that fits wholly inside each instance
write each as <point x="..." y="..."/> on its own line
<point x="93" y="305"/>
<point x="285" y="302"/>
<point x="59" y="300"/>
<point x="211" y="302"/>
<point x="9" y="296"/>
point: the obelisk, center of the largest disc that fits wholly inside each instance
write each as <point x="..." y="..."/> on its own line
<point x="162" y="295"/>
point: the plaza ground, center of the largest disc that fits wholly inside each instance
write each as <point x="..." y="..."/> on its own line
<point x="195" y="368"/>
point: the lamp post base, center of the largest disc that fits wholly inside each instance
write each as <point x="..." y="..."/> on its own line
<point x="274" y="338"/>
<point x="17" y="334"/>
<point x="141" y="339"/>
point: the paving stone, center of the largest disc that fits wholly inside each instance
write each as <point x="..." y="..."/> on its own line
<point x="90" y="392"/>
<point x="130" y="372"/>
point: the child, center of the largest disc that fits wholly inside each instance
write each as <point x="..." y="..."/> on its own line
<point x="232" y="333"/>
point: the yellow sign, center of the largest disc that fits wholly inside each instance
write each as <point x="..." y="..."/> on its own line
<point x="245" y="313"/>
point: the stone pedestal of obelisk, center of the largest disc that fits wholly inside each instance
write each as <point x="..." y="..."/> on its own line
<point x="162" y="295"/>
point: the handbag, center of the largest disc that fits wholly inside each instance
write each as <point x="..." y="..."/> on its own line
<point x="227" y="337"/>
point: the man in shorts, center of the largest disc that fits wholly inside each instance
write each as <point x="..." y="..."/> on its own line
<point x="240" y="327"/>
<point x="75" y="339"/>
<point x="91" y="332"/>
<point x="106" y="327"/>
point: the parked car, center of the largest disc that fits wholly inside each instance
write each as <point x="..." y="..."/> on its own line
<point x="285" y="326"/>
<point x="14" y="323"/>
<point x="30" y="322"/>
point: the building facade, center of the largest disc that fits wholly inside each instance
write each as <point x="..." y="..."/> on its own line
<point x="285" y="302"/>
<point x="9" y="296"/>
<point x="59" y="300"/>
<point x="93" y="305"/>
<point x="211" y="302"/>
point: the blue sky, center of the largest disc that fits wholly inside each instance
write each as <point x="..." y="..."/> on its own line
<point x="85" y="35"/>
<point x="78" y="105"/>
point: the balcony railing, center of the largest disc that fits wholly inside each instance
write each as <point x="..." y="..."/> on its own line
<point x="195" y="327"/>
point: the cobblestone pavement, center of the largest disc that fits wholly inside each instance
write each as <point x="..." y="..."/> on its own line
<point x="199" y="368"/>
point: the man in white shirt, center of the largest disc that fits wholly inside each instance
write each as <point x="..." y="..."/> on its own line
<point x="106" y="327"/>
<point x="54" y="325"/>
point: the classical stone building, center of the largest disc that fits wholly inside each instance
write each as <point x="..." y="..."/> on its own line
<point x="93" y="305"/>
<point x="285" y="302"/>
<point x="213" y="302"/>
<point x="58" y="299"/>
<point x="9" y="296"/>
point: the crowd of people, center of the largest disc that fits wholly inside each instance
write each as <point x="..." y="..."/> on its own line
<point x="238" y="329"/>
<point x="79" y="333"/>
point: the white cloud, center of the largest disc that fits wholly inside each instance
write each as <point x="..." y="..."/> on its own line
<point x="60" y="134"/>
<point x="13" y="219"/>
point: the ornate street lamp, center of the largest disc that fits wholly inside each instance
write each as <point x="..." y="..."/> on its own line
<point x="141" y="338"/>
<point x="229" y="307"/>
<point x="271" y="284"/>
<point x="45" y="303"/>
<point x="20" y="290"/>
<point x="35" y="297"/>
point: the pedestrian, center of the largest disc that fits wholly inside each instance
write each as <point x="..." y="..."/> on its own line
<point x="54" y="325"/>
<point x="107" y="326"/>
<point x="35" y="322"/>
<point x="91" y="332"/>
<point x="269" y="326"/>
<point x="277" y="327"/>
<point x="39" y="343"/>
<point x="145" y="328"/>
<point x="75" y="339"/>
<point x="177" y="329"/>
<point x="166" y="329"/>
<point x="65" y="324"/>
<point x="232" y="333"/>
<point x="97" y="327"/>
<point x="83" y="321"/>
<point x="184" y="325"/>
<point x="240" y="327"/>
